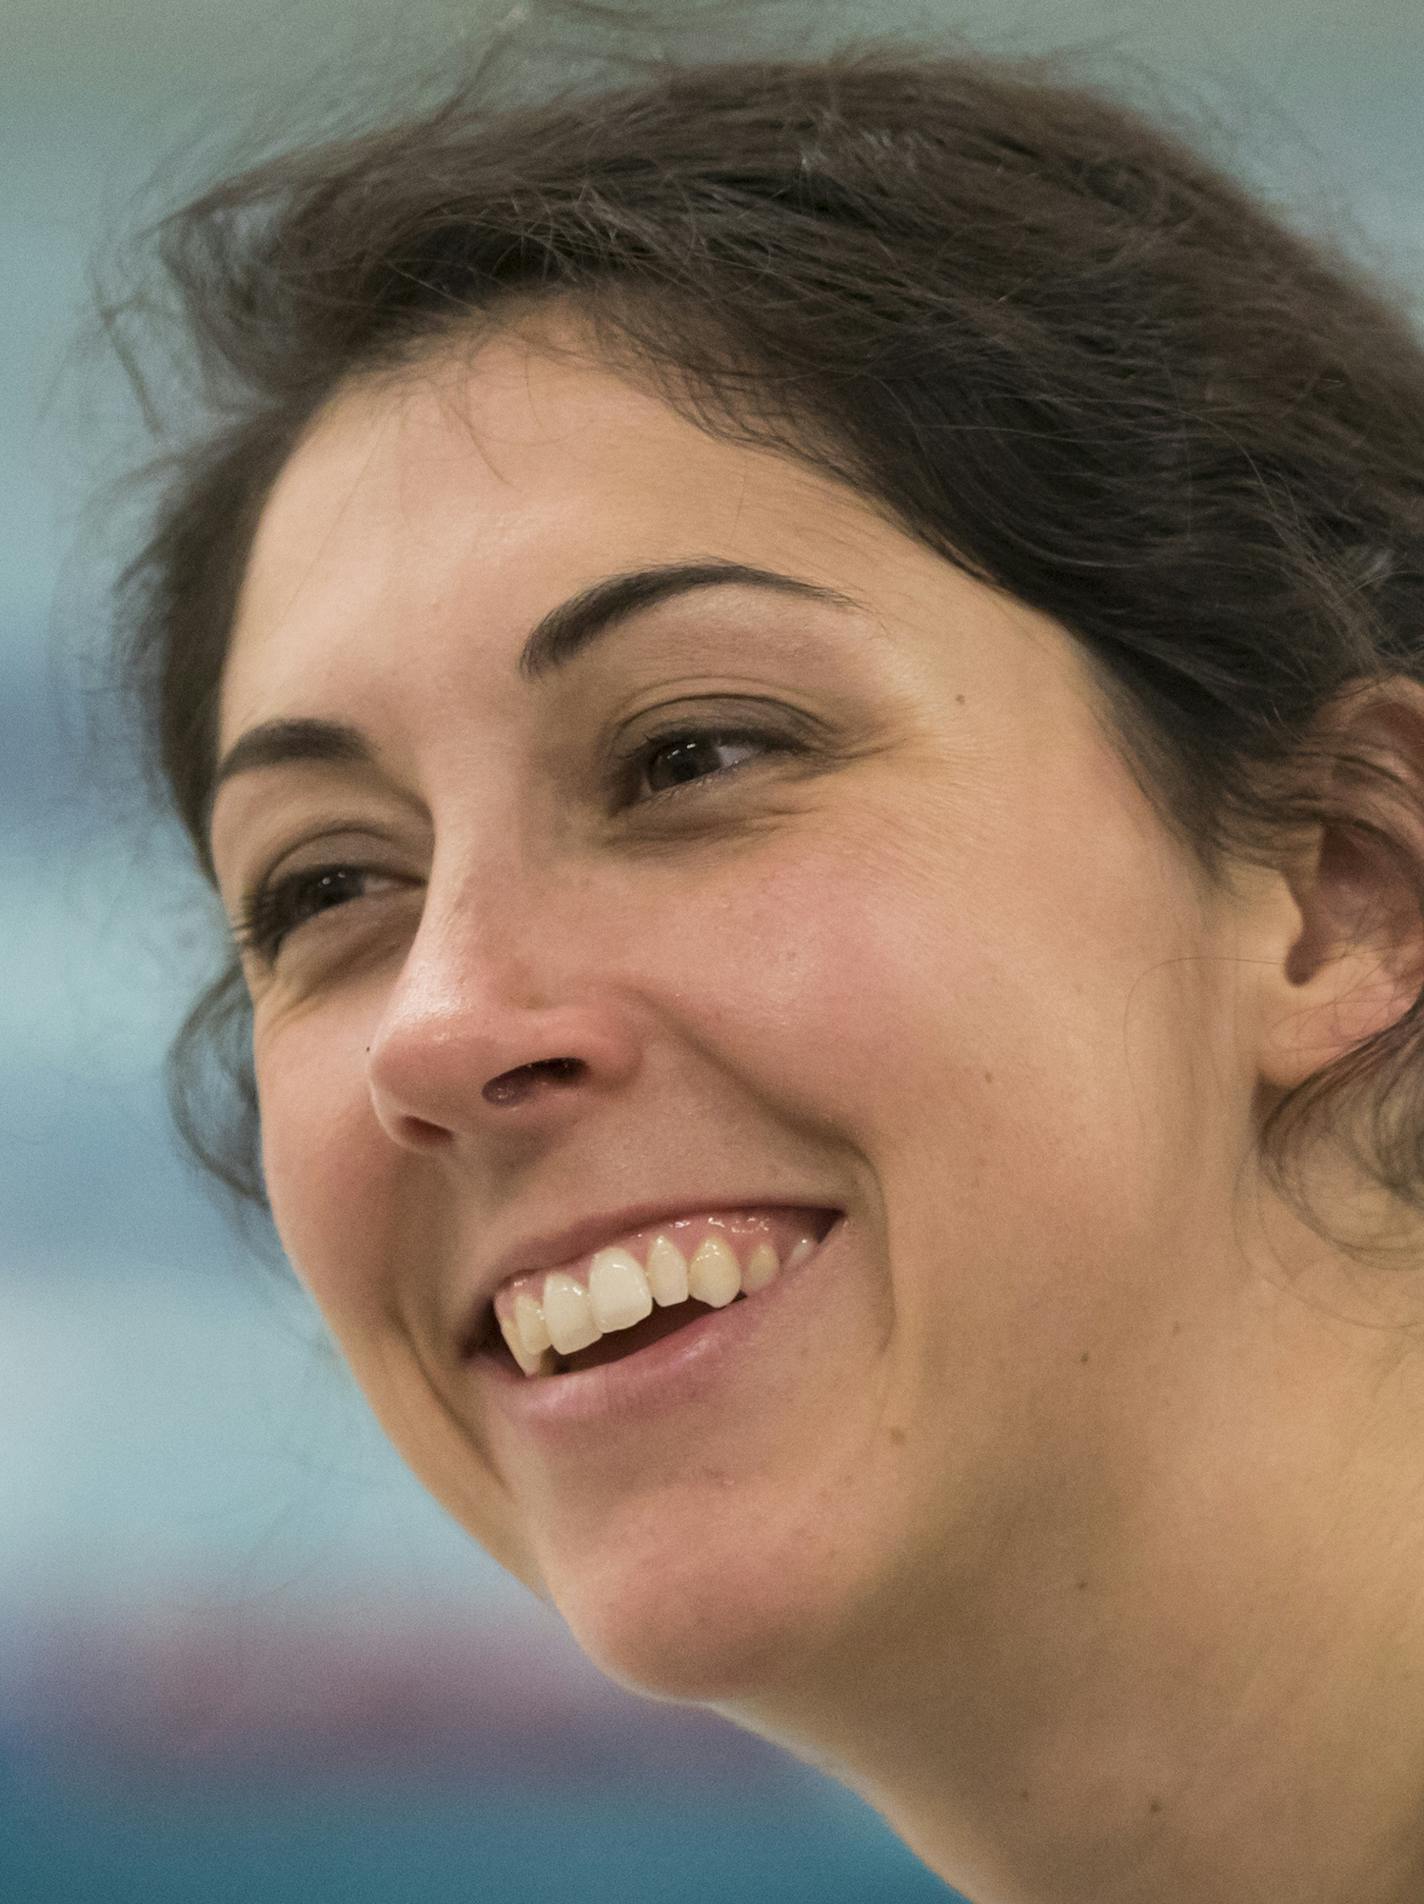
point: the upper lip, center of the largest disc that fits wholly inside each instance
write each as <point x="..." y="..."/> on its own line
<point x="547" y="1249"/>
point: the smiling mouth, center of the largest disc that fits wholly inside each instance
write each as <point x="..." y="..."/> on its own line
<point x="624" y="1298"/>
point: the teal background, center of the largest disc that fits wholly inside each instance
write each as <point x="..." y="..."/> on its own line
<point x="242" y="1656"/>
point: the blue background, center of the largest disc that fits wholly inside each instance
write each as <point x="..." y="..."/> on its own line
<point x="242" y="1656"/>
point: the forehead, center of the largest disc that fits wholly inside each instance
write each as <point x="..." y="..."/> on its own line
<point x="426" y="523"/>
<point x="490" y="485"/>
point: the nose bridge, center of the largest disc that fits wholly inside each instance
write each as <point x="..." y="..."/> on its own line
<point x="497" y="1003"/>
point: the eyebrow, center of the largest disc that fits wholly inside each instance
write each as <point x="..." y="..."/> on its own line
<point x="564" y="632"/>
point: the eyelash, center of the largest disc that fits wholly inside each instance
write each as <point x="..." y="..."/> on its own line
<point x="275" y="908"/>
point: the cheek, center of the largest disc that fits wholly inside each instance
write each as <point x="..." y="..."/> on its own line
<point x="326" y="1160"/>
<point x="1012" y="1051"/>
<point x="871" y="975"/>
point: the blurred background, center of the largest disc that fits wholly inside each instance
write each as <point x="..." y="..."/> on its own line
<point x="242" y="1656"/>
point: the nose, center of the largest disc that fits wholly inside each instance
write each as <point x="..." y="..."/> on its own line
<point x="479" y="1038"/>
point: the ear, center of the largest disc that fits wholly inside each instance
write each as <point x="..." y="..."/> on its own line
<point x="1347" y="957"/>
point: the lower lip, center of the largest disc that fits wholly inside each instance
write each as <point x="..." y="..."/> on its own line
<point x="679" y="1372"/>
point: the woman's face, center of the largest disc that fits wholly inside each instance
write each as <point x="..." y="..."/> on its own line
<point x="911" y="948"/>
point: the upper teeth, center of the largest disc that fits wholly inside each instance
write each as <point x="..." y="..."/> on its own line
<point x="565" y="1316"/>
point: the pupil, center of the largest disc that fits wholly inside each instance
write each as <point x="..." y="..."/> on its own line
<point x="681" y="754"/>
<point x="332" y="888"/>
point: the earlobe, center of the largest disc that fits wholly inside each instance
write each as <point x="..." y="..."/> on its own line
<point x="1351" y="962"/>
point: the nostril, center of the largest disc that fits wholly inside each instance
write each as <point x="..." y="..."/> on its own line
<point x="510" y="1086"/>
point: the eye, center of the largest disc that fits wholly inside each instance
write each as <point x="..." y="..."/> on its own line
<point x="278" y="907"/>
<point x="684" y="755"/>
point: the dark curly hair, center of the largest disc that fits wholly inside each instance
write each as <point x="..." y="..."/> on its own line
<point x="1046" y="335"/>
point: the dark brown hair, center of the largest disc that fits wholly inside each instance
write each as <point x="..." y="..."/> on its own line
<point x="1040" y="331"/>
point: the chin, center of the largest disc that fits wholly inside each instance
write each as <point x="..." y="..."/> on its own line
<point x="691" y="1634"/>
